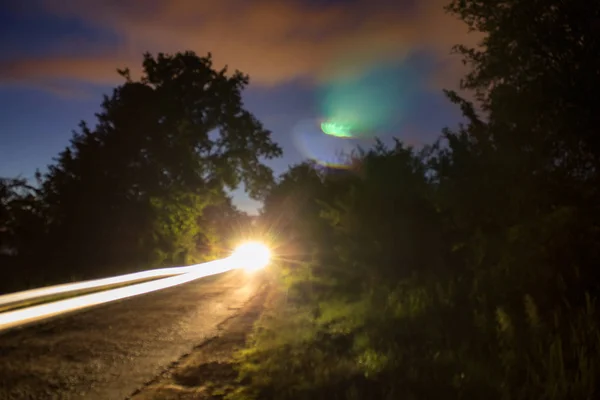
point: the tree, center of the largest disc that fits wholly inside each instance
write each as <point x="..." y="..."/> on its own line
<point x="519" y="184"/>
<point x="533" y="76"/>
<point x="131" y="191"/>
<point x="22" y="227"/>
<point x="20" y="216"/>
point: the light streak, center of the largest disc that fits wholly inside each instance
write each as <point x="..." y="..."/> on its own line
<point x="92" y="284"/>
<point x="11" y="319"/>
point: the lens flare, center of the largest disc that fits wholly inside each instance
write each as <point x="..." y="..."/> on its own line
<point x="336" y="129"/>
<point x="371" y="100"/>
<point x="325" y="149"/>
<point x="251" y="256"/>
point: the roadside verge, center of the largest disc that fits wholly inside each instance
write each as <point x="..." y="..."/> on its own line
<point x="208" y="371"/>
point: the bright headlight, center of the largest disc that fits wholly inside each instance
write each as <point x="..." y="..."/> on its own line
<point x="251" y="256"/>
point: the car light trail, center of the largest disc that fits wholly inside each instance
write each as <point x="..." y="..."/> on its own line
<point x="251" y="256"/>
<point x="24" y="316"/>
<point x="97" y="283"/>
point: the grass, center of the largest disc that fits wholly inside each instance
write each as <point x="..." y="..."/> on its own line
<point x="210" y="370"/>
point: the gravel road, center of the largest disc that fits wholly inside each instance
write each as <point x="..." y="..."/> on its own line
<point x="110" y="351"/>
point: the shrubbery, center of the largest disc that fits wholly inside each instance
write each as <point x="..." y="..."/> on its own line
<point x="468" y="269"/>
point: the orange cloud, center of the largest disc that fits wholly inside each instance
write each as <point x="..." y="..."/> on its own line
<point x="273" y="41"/>
<point x="99" y="69"/>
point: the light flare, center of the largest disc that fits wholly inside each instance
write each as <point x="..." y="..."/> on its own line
<point x="251" y="256"/>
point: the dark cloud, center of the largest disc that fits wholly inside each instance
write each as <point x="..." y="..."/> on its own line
<point x="274" y="41"/>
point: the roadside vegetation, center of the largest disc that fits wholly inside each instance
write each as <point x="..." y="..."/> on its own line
<point x="468" y="269"/>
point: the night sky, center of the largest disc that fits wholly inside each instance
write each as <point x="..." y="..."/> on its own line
<point x="381" y="63"/>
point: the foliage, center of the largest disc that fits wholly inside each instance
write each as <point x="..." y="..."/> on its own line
<point x="22" y="225"/>
<point x="469" y="269"/>
<point x="18" y="209"/>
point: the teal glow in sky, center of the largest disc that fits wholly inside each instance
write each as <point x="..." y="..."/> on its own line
<point x="369" y="103"/>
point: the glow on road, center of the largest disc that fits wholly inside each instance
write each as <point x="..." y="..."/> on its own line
<point x="250" y="256"/>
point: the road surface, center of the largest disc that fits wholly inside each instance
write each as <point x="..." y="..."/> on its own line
<point x="110" y="351"/>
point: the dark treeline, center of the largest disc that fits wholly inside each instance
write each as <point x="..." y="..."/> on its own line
<point x="466" y="270"/>
<point x="146" y="186"/>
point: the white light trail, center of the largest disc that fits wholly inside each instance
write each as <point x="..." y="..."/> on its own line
<point x="11" y="319"/>
<point x="97" y="283"/>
